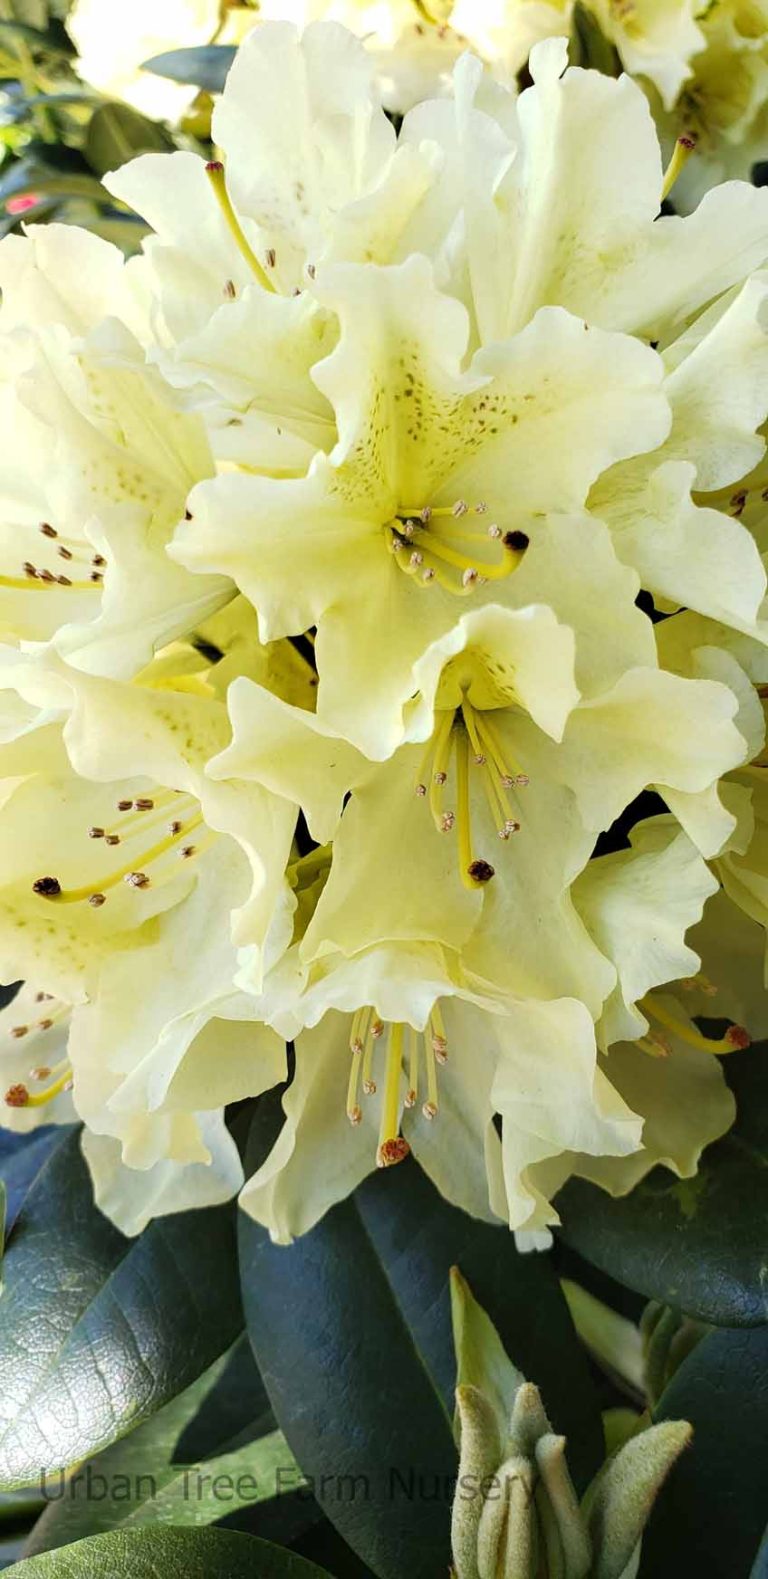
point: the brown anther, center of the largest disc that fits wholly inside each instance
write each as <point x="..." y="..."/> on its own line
<point x="377" y="1030"/>
<point x="479" y="759"/>
<point x="447" y="821"/>
<point x="214" y="166"/>
<point x="481" y="871"/>
<point x="229" y="290"/>
<point x="392" y="1151"/>
<point x="43" y="997"/>
<point x="136" y="880"/>
<point x="460" y="508"/>
<point x="175" y="826"/>
<point x="736" y="1036"/>
<point x="49" y="887"/>
<point x="509" y="827"/>
<point x="64" y="581"/>
<point x="426" y="514"/>
<point x="311" y="270"/>
<point x="481" y="508"/>
<point x="428" y="574"/>
<point x="410" y="1098"/>
<point x="187" y="515"/>
<point x="29" y="570"/>
<point x="48" y="530"/>
<point x="111" y="838"/>
<point x="495" y="532"/>
<point x="44" y="1025"/>
<point x="96" y="833"/>
<point x="470" y="576"/>
<point x="517" y="540"/>
<point x="421" y="789"/>
<point x="17" y="1096"/>
<point x="143" y="803"/>
<point x="19" y="1030"/>
<point x="440" y="778"/>
<point x="416" y="559"/>
<point x="429" y="1110"/>
<point x="41" y="1072"/>
<point x="96" y="576"/>
<point x="369" y="1087"/>
<point x="46" y="575"/>
<point x="124" y="805"/>
<point x="187" y="850"/>
<point x="99" y="561"/>
<point x="688" y="140"/>
<point x="270" y="257"/>
<point x="64" y="553"/>
<point x="440" y="1049"/>
<point x="355" y="1115"/>
<point x="97" y="900"/>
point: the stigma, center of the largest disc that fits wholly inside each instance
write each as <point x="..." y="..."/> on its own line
<point x="407" y="1055"/>
<point x="466" y="738"/>
<point x="153" y="833"/>
<point x="657" y="1044"/>
<point x="447" y="545"/>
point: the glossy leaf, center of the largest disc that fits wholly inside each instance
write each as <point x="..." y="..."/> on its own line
<point x="362" y="1375"/>
<point x="204" y="67"/>
<point x="710" y="1517"/>
<point x="97" y="1331"/>
<point x="697" y="1244"/>
<point x="176" y="1554"/>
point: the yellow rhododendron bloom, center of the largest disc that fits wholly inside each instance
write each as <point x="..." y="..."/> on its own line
<point x="113" y="45"/>
<point x="409" y="493"/>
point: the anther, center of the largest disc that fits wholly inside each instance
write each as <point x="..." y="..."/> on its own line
<point x="29" y="570"/>
<point x="64" y="581"/>
<point x="186" y="851"/>
<point x="143" y="804"/>
<point x="175" y="826"/>
<point x="97" y="900"/>
<point x="48" y="530"/>
<point x="416" y="559"/>
<point x="41" y="1072"/>
<point x="447" y="821"/>
<point x="229" y="290"/>
<point x="410" y="1098"/>
<point x="377" y="1030"/>
<point x="429" y="1110"/>
<point x="355" y="1115"/>
<point x="481" y="508"/>
<point x="111" y="838"/>
<point x="64" y="553"/>
<point x="49" y="887"/>
<point x="270" y="257"/>
<point x="95" y="576"/>
<point x="428" y="574"/>
<point x="421" y="790"/>
<point x="369" y="1087"/>
<point x="96" y="833"/>
<point x="20" y="1030"/>
<point x="469" y="576"/>
<point x="99" y="561"/>
<point x="136" y="879"/>
<point x="46" y="575"/>
<point x="460" y="508"/>
<point x="124" y="805"/>
<point x="44" y="1025"/>
<point x="495" y="532"/>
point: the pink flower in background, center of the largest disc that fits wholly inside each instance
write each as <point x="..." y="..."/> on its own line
<point x="19" y="205"/>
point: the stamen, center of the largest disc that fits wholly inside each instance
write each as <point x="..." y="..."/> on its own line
<point x="50" y="887"/>
<point x="215" y="172"/>
<point x="474" y="873"/>
<point x="444" y="539"/>
<point x="735" y="1038"/>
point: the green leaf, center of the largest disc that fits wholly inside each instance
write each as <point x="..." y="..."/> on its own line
<point x="49" y="41"/>
<point x="697" y="1244"/>
<point x="117" y="133"/>
<point x="174" y="1554"/>
<point x="26" y="175"/>
<point x="362" y="1375"/>
<point x="419" y="1237"/>
<point x="710" y="1517"/>
<point x="351" y="1391"/>
<point x="204" y="67"/>
<point x="588" y="46"/>
<point x="97" y="1332"/>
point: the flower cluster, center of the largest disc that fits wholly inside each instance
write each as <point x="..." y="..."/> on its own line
<point x="371" y="543"/>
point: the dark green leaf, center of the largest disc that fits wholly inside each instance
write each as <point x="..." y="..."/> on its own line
<point x="117" y="133"/>
<point x="419" y="1237"/>
<point x="351" y="1391"/>
<point x="204" y="67"/>
<point x="97" y="1331"/>
<point x="698" y="1244"/>
<point x="174" y="1554"/>
<point x="588" y="46"/>
<point x="710" y="1517"/>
